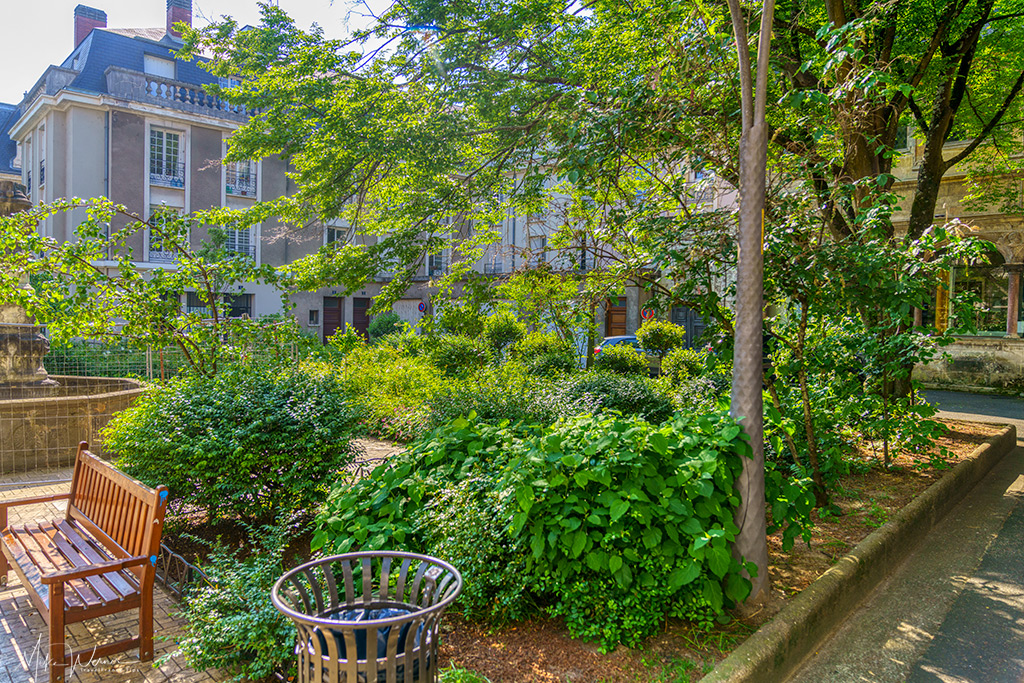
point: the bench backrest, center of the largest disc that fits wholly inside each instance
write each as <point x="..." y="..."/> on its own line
<point x="122" y="513"/>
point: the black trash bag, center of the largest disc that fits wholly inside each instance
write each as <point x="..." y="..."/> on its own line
<point x="361" y="636"/>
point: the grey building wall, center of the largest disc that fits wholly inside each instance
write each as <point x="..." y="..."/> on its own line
<point x="205" y="175"/>
<point x="128" y="172"/>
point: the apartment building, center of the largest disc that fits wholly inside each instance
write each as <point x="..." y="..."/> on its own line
<point x="122" y="117"/>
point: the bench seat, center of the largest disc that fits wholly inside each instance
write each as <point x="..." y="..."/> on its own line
<point x="46" y="548"/>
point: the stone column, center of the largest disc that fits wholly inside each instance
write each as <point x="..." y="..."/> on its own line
<point x="1013" y="299"/>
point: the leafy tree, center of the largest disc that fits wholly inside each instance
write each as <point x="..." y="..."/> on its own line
<point x="76" y="296"/>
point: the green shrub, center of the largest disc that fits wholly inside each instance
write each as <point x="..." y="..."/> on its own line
<point x="660" y="336"/>
<point x="344" y="341"/>
<point x="243" y="442"/>
<point x="544" y="353"/>
<point x="503" y="393"/>
<point x="538" y="344"/>
<point x="384" y="510"/>
<point x="502" y="329"/>
<point x="466" y="523"/>
<point x="383" y="325"/>
<point x="458" y="318"/>
<point x="230" y="624"/>
<point x="406" y="342"/>
<point x="614" y="523"/>
<point x="391" y="388"/>
<point x="682" y="363"/>
<point x="623" y="359"/>
<point x="629" y="523"/>
<point x="592" y="392"/>
<point x="458" y="356"/>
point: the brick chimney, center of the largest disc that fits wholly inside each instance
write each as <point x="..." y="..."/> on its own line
<point x="178" y="10"/>
<point x="86" y="19"/>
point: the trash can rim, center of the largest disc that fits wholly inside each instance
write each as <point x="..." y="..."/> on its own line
<point x="368" y="623"/>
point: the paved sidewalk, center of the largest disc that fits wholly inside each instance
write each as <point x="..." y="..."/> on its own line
<point x="23" y="634"/>
<point x="954" y="610"/>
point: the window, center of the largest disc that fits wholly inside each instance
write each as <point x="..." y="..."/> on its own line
<point x="238" y="305"/>
<point x="240" y="242"/>
<point x="166" y="165"/>
<point x="987" y="287"/>
<point x="41" y="136"/>
<point x="157" y="66"/>
<point x="240" y="178"/>
<point x="233" y="305"/>
<point x="436" y="264"/>
<point x="538" y="248"/>
<point x="229" y="82"/>
<point x="334" y="235"/>
<point x="161" y="247"/>
<point x="314" y="317"/>
<point x="495" y="265"/>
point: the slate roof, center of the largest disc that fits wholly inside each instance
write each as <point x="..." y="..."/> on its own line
<point x="104" y="48"/>
<point x="8" y="147"/>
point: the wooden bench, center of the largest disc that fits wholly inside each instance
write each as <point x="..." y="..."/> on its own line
<point x="100" y="559"/>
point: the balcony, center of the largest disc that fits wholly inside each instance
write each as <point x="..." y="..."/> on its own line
<point x="167" y="92"/>
<point x="166" y="174"/>
<point x="240" y="183"/>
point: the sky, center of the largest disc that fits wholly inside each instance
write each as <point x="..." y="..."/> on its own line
<point x="39" y="33"/>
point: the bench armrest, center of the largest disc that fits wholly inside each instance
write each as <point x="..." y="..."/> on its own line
<point x="93" y="570"/>
<point x="34" y="500"/>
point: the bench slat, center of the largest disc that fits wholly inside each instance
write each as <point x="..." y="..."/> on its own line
<point x="21" y="560"/>
<point x="124" y="582"/>
<point x="104" y="584"/>
<point x="88" y="593"/>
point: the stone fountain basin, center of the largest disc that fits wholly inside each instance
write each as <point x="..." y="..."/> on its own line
<point x="40" y="426"/>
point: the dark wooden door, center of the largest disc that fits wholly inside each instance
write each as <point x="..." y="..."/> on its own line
<point x="615" y="317"/>
<point x="334" y="313"/>
<point x="360" y="315"/>
<point x="690" y="319"/>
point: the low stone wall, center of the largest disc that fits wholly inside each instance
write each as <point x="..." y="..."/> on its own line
<point x="977" y="363"/>
<point x="44" y="432"/>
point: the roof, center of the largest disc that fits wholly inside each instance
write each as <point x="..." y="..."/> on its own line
<point x="155" y="34"/>
<point x="126" y="48"/>
<point x="8" y="147"/>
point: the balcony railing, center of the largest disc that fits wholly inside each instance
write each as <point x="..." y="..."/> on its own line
<point x="240" y="183"/>
<point x="243" y="249"/>
<point x="166" y="92"/>
<point x="168" y="174"/>
<point x="160" y="256"/>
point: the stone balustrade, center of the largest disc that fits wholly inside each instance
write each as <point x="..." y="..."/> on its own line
<point x="166" y="92"/>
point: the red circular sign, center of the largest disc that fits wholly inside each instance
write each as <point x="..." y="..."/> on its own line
<point x="647" y="313"/>
<point x="422" y="307"/>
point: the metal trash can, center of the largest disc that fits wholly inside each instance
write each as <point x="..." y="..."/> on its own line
<point x="369" y="617"/>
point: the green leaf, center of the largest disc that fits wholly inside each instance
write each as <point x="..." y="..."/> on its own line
<point x="578" y="543"/>
<point x="614" y="563"/>
<point x="719" y="560"/>
<point x="619" y="508"/>
<point x="524" y="495"/>
<point x="658" y="442"/>
<point x="684" y="575"/>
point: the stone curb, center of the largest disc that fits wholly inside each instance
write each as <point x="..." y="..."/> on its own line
<point x="777" y="648"/>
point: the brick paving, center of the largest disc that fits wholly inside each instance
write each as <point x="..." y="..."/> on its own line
<point x="23" y="635"/>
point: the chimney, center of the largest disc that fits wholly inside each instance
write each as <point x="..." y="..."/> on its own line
<point x="178" y="10"/>
<point x="86" y="19"/>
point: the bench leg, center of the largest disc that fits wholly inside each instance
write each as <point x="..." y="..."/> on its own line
<point x="4" y="566"/>
<point x="146" y="626"/>
<point x="59" y="659"/>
